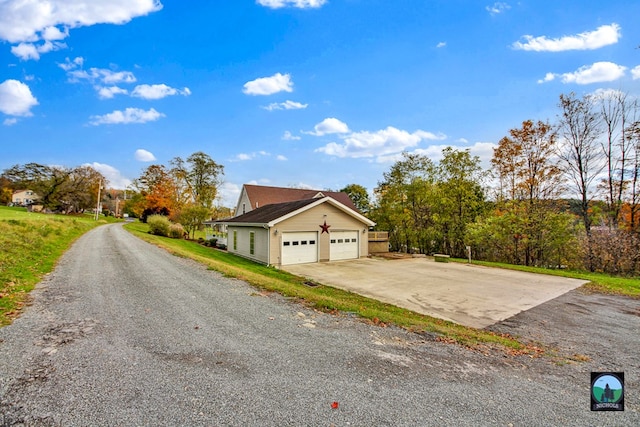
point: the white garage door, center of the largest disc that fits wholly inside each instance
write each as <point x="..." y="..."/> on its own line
<point x="344" y="245"/>
<point x="299" y="248"/>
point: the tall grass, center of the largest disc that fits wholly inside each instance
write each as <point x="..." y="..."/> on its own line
<point x="30" y="245"/>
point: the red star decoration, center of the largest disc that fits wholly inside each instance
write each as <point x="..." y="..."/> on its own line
<point x="325" y="228"/>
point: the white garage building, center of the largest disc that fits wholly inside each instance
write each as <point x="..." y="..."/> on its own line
<point x="318" y="229"/>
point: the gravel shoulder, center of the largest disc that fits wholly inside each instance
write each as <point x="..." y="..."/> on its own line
<point x="122" y="333"/>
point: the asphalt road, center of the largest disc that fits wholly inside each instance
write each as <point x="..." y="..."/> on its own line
<point x="124" y="334"/>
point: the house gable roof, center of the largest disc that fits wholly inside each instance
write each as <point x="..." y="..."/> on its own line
<point x="268" y="213"/>
<point x="260" y="195"/>
<point x="272" y="214"/>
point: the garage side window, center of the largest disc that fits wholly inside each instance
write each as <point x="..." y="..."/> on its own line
<point x="252" y="243"/>
<point x="235" y="240"/>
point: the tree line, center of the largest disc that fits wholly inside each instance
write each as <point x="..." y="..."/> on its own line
<point x="59" y="189"/>
<point x="185" y="192"/>
<point x="558" y="194"/>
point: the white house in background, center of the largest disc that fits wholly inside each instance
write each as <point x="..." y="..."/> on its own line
<point x="313" y="229"/>
<point x="24" y="198"/>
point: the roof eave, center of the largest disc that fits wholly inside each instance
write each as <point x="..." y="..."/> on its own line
<point x="321" y="200"/>
<point x="245" y="224"/>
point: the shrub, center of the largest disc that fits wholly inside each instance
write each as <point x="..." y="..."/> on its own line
<point x="192" y="218"/>
<point x="176" y="231"/>
<point x="153" y="211"/>
<point x="159" y="225"/>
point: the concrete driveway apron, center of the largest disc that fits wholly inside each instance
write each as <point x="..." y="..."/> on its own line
<point x="466" y="294"/>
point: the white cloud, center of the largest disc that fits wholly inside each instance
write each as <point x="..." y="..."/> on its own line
<point x="547" y="78"/>
<point x="144" y="155"/>
<point x="71" y="65"/>
<point x="484" y="150"/>
<point x="441" y="44"/>
<point x="381" y="144"/>
<point x="16" y="98"/>
<point x="102" y="75"/>
<point x="158" y="91"/>
<point x="328" y="126"/>
<point x="301" y="4"/>
<point x="10" y="122"/>
<point x="497" y="8"/>
<point x="26" y="51"/>
<point x="129" y="115"/>
<point x="113" y="175"/>
<point x="609" y="94"/>
<point x="635" y="72"/>
<point x="228" y="193"/>
<point x="242" y="157"/>
<point x="269" y="85"/>
<point x="288" y="136"/>
<point x="110" y="92"/>
<point x="596" y="73"/>
<point x="35" y="20"/>
<point x="287" y="105"/>
<point x="603" y="36"/>
<point x="430" y="136"/>
<point x="281" y="158"/>
<point x="55" y="33"/>
<point x="105" y="82"/>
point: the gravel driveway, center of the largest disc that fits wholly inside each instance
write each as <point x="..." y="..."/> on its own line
<point x="124" y="334"/>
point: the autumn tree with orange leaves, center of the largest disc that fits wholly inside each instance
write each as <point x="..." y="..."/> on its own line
<point x="156" y="193"/>
<point x="527" y="215"/>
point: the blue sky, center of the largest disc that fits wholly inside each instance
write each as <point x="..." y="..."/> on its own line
<point x="305" y="93"/>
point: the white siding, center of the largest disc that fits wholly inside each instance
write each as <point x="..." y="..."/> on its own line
<point x="243" y="247"/>
<point x="244" y="205"/>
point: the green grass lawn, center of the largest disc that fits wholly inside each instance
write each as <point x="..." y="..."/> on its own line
<point x="13" y="212"/>
<point x="598" y="282"/>
<point x="30" y="245"/>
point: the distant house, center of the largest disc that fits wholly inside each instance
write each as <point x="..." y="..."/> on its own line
<point x="24" y="198"/>
<point x="308" y="226"/>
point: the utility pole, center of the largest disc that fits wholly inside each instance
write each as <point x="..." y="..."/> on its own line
<point x="98" y="205"/>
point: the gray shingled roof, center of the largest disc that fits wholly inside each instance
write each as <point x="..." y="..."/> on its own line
<point x="268" y="213"/>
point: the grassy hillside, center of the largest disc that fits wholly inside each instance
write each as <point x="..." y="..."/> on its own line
<point x="30" y="245"/>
